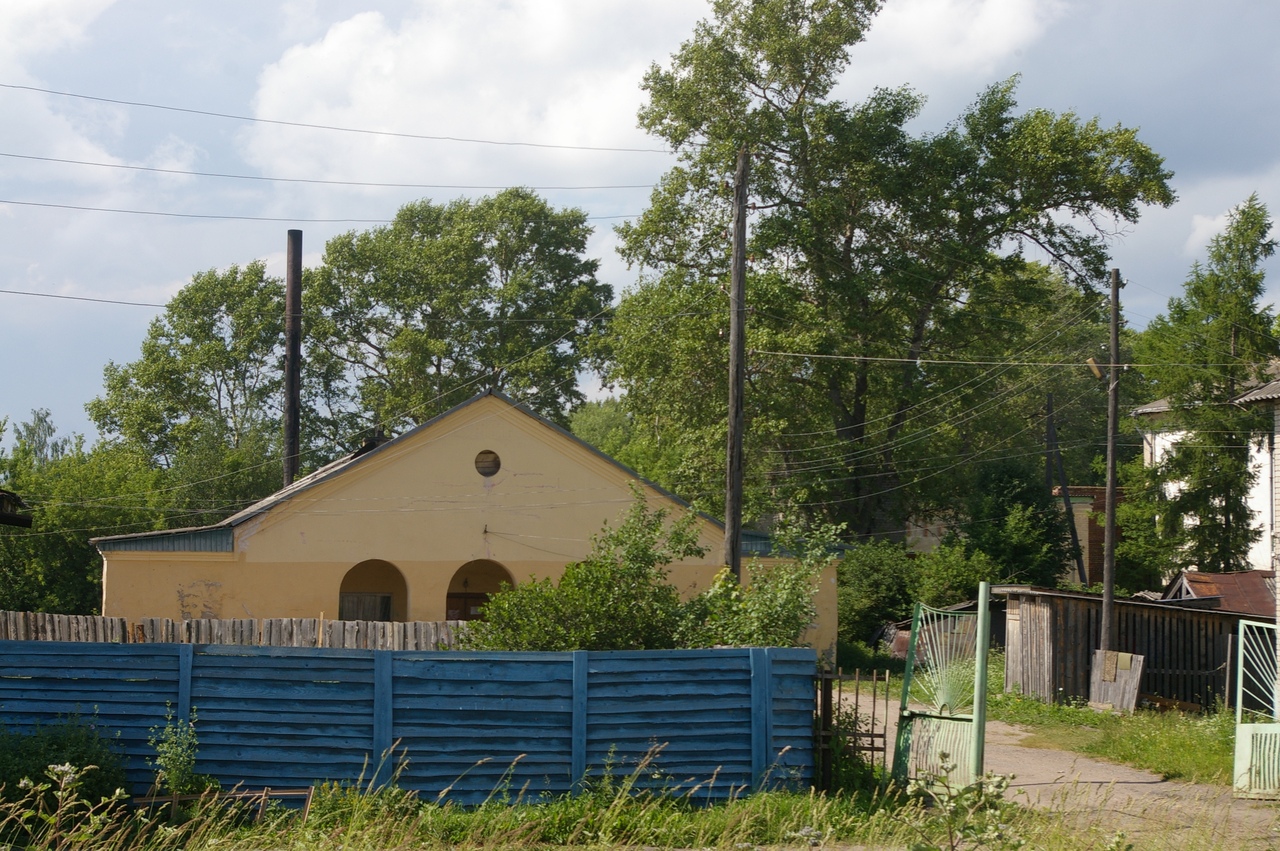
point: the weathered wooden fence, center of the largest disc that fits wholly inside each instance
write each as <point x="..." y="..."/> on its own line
<point x="720" y="721"/>
<point x="251" y="632"/>
<point x="1051" y="636"/>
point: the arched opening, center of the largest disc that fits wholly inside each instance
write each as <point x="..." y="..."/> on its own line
<point x="373" y="590"/>
<point x="471" y="586"/>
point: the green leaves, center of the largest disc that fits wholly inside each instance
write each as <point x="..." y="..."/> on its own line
<point x="1215" y="343"/>
<point x="875" y="250"/>
<point x="406" y="321"/>
<point x="618" y="598"/>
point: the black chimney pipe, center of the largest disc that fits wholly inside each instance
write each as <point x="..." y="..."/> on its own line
<point x="292" y="355"/>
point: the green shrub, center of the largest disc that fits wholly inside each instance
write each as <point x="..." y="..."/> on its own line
<point x="617" y="598"/>
<point x="949" y="575"/>
<point x="175" y="745"/>
<point x="71" y="740"/>
<point x="875" y="586"/>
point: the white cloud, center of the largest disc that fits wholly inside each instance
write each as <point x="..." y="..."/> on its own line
<point x="1203" y="229"/>
<point x="913" y="41"/>
<point x="29" y="27"/>
<point x="563" y="73"/>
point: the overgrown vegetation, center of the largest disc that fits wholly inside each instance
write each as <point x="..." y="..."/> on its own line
<point x="176" y="744"/>
<point x="620" y="597"/>
<point x="1195" y="747"/>
<point x="74" y="740"/>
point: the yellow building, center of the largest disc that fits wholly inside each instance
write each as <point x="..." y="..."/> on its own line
<point x="422" y="527"/>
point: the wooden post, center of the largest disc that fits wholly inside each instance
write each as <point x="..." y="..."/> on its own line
<point x="1107" y="627"/>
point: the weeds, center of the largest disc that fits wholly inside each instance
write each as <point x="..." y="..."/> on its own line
<point x="1197" y="747"/>
<point x="176" y="745"/>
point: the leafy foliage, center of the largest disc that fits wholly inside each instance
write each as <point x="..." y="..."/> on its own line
<point x="950" y="574"/>
<point x="73" y="741"/>
<point x="75" y="493"/>
<point x="1214" y="343"/>
<point x="1011" y="517"/>
<point x="617" y="598"/>
<point x="465" y="296"/>
<point x="775" y="605"/>
<point x="176" y="745"/>
<point x="876" y="582"/>
<point x="882" y="254"/>
<point x="880" y="582"/>
<point x="211" y="365"/>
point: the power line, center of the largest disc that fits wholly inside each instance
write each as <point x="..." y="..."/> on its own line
<point x="308" y="180"/>
<point x="336" y="128"/>
<point x="83" y="298"/>
<point x="220" y="217"/>
<point x="87" y="209"/>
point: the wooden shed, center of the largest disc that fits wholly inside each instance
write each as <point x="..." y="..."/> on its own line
<point x="1051" y="635"/>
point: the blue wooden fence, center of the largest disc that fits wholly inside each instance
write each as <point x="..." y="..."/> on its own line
<point x="724" y="720"/>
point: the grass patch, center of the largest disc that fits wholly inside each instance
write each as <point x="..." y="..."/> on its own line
<point x="1195" y="747"/>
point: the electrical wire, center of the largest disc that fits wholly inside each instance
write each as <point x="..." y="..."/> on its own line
<point x="227" y="217"/>
<point x="315" y="181"/>
<point x="334" y="128"/>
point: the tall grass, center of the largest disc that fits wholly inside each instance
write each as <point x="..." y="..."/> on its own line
<point x="614" y="814"/>
<point x="1191" y="746"/>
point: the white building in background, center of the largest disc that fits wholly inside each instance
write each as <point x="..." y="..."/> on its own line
<point x="1263" y="499"/>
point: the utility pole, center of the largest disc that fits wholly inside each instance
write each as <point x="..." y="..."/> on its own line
<point x="1108" y="626"/>
<point x="737" y="369"/>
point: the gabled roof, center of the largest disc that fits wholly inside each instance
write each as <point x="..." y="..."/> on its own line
<point x="1264" y="392"/>
<point x="218" y="537"/>
<point x="1247" y="591"/>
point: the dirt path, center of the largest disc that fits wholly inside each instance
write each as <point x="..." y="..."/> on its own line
<point x="1092" y="793"/>
<point x="1120" y="798"/>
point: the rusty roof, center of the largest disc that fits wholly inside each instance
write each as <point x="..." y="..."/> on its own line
<point x="1247" y="591"/>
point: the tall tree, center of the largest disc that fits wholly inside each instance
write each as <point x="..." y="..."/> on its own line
<point x="877" y="252"/>
<point x="406" y="321"/>
<point x="1215" y="341"/>
<point x="75" y="493"/>
<point x="210" y="364"/>
<point x="203" y="400"/>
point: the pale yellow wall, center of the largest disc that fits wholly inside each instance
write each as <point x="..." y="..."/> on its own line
<point x="420" y="505"/>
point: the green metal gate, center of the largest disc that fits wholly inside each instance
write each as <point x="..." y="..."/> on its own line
<point x="1257" y="758"/>
<point x="947" y="676"/>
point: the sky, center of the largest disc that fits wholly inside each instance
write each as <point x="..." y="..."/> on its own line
<point x="519" y="89"/>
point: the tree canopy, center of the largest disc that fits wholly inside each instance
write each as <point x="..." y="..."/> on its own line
<point x="1216" y="341"/>
<point x="883" y="266"/>
<point x="405" y="321"/>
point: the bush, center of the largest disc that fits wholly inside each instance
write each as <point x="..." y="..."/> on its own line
<point x="617" y="598"/>
<point x="775" y="606"/>
<point x="73" y="741"/>
<point x="175" y="745"/>
<point x="949" y="575"/>
<point x="876" y="581"/>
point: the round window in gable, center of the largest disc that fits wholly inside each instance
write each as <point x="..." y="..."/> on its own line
<point x="488" y="463"/>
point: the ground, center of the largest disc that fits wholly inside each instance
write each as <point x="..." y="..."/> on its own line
<point x="1092" y="793"/>
<point x="1120" y="798"/>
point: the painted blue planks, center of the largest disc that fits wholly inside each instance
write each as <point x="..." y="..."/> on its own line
<point x="474" y="724"/>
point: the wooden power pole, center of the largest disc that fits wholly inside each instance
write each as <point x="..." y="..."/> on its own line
<point x="1108" y="625"/>
<point x="737" y="369"/>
